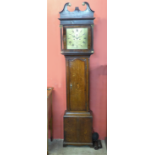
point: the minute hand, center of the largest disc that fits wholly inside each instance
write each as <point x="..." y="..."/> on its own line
<point x="80" y="36"/>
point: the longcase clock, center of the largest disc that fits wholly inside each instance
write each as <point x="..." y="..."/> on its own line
<point x="76" y="33"/>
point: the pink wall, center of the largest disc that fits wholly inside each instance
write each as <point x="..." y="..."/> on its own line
<point x="98" y="65"/>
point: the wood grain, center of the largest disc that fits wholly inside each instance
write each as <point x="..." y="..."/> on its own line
<point x="77" y="84"/>
<point x="77" y="71"/>
<point x="78" y="128"/>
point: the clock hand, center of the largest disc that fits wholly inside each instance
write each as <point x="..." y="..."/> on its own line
<point x="81" y="35"/>
<point x="78" y="37"/>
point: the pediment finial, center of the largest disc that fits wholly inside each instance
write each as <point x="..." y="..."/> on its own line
<point x="65" y="7"/>
<point x="88" y="7"/>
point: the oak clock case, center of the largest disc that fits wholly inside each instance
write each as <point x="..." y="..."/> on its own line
<point x="76" y="36"/>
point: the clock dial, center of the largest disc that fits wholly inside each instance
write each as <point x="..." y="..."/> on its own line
<point x="77" y="38"/>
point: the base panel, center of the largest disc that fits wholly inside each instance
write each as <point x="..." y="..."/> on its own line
<point x="78" y="128"/>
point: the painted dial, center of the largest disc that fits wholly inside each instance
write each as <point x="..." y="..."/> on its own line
<point x="77" y="38"/>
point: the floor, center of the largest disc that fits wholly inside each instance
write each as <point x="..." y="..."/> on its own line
<point x="56" y="148"/>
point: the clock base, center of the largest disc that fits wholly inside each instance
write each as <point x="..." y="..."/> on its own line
<point x="78" y="128"/>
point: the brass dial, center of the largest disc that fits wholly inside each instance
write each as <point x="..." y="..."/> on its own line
<point x="77" y="38"/>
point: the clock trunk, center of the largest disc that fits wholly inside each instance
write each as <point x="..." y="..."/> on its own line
<point x="77" y="73"/>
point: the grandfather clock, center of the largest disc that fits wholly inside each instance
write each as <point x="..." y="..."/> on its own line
<point x="76" y="33"/>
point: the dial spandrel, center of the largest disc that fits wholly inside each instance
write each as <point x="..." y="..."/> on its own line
<point x="77" y="38"/>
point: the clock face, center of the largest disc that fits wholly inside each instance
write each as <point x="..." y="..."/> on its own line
<point x="77" y="38"/>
